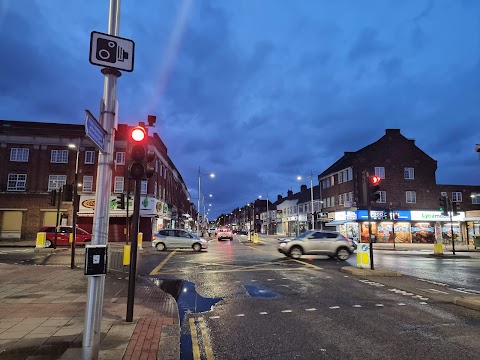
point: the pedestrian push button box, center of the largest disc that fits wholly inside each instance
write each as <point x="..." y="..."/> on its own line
<point x="95" y="260"/>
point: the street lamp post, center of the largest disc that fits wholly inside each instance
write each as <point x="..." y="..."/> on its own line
<point x="200" y="174"/>
<point x="75" y="205"/>
<point x="268" y="214"/>
<point x="311" y="196"/>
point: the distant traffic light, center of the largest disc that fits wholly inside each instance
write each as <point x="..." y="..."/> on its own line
<point x="374" y="187"/>
<point x="137" y="139"/>
<point x="67" y="194"/>
<point x="120" y="201"/>
<point x="53" y="197"/>
<point x="444" y="205"/>
<point x="456" y="208"/>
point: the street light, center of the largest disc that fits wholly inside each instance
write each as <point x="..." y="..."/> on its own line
<point x="75" y="205"/>
<point x="200" y="174"/>
<point x="311" y="195"/>
<point x="268" y="214"/>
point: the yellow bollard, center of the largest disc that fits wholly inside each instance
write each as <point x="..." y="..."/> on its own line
<point x="255" y="238"/>
<point x="70" y="238"/>
<point x="140" y="240"/>
<point x="41" y="239"/>
<point x="126" y="254"/>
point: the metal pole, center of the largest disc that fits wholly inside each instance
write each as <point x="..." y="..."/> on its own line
<point x="96" y="284"/>
<point x="198" y="204"/>
<point x="451" y="224"/>
<point x="75" y="206"/>
<point x="369" y="223"/>
<point x="59" y="192"/>
<point x="132" y="273"/>
<point x="268" y="216"/>
<point x="311" y="196"/>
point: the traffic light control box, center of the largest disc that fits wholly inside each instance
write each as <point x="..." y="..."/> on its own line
<point x="96" y="260"/>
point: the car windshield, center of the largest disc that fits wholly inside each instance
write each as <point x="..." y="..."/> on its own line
<point x="305" y="234"/>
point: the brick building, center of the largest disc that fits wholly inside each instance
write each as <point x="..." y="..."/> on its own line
<point x="408" y="208"/>
<point x="35" y="159"/>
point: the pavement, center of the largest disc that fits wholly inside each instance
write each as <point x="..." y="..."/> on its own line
<point x="42" y="308"/>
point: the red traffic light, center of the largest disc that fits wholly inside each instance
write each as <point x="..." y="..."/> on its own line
<point x="375" y="180"/>
<point x="138" y="134"/>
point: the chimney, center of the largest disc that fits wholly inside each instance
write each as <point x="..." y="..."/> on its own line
<point x="303" y="188"/>
<point x="392" y="132"/>
<point x="279" y="197"/>
<point x="289" y="193"/>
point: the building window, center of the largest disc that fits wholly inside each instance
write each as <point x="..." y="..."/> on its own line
<point x="340" y="177"/>
<point x="19" y="154"/>
<point x="120" y="158"/>
<point x="383" y="197"/>
<point x="56" y="181"/>
<point x="89" y="157"/>
<point x="409" y="173"/>
<point x="340" y="199"/>
<point x="350" y="196"/>
<point x="475" y="198"/>
<point x="155" y="190"/>
<point x="411" y="197"/>
<point x="87" y="183"/>
<point x="333" y="201"/>
<point x="59" y="156"/>
<point x="118" y="187"/>
<point x="456" y="196"/>
<point x="349" y="174"/>
<point x="17" y="182"/>
<point x="144" y="187"/>
<point x="380" y="171"/>
<point x="332" y="180"/>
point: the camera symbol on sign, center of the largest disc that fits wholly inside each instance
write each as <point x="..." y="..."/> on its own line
<point x="109" y="51"/>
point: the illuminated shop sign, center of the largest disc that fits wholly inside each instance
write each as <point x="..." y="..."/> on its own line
<point x="396" y="215"/>
<point x="435" y="216"/>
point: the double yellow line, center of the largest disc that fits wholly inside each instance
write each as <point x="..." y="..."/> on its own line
<point x="202" y="329"/>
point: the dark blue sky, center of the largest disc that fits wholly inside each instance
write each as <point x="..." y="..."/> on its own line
<point x="259" y="91"/>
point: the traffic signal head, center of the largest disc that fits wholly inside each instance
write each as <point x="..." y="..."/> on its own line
<point x="121" y="201"/>
<point x="374" y="187"/>
<point x="444" y="205"/>
<point x="456" y="208"/>
<point x="149" y="168"/>
<point x="137" y="153"/>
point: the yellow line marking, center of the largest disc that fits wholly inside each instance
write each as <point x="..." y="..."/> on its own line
<point x="205" y="339"/>
<point x="193" y="334"/>
<point x="157" y="269"/>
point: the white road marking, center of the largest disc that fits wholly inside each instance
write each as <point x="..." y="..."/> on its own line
<point x="253" y="280"/>
<point x="343" y="275"/>
<point x="334" y="307"/>
<point x="401" y="304"/>
<point x="263" y="313"/>
<point x="311" y="309"/>
<point x="433" y="282"/>
<point x="240" y="315"/>
<point x="270" y="279"/>
<point x="357" y="306"/>
<point x="379" y="305"/>
<point x="286" y="311"/>
<point x="423" y="303"/>
<point x="214" y="317"/>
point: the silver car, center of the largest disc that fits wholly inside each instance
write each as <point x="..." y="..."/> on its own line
<point x="317" y="242"/>
<point x="178" y="238"/>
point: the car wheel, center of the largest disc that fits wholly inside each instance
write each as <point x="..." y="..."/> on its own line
<point x="160" y="246"/>
<point x="343" y="254"/>
<point x="295" y="252"/>
<point x="197" y="247"/>
<point x="48" y="243"/>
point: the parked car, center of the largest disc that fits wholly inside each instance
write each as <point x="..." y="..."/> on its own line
<point x="240" y="231"/>
<point x="224" y="233"/>
<point x="317" y="242"/>
<point x="178" y="238"/>
<point x="63" y="236"/>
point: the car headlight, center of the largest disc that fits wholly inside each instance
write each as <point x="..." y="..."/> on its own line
<point x="282" y="244"/>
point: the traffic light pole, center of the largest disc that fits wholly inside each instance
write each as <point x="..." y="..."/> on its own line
<point x="96" y="284"/>
<point x="451" y="225"/>
<point x="370" y="233"/>
<point x="132" y="273"/>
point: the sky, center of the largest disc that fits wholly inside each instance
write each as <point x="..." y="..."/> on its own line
<point x="259" y="91"/>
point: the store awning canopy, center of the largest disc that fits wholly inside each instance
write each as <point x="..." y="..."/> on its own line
<point x="336" y="222"/>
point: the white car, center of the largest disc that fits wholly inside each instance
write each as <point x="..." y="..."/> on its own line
<point x="225" y="233"/>
<point x="178" y="238"/>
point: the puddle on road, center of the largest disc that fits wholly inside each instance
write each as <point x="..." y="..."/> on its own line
<point x="259" y="291"/>
<point x="188" y="300"/>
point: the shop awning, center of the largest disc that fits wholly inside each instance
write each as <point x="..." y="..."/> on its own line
<point x="336" y="222"/>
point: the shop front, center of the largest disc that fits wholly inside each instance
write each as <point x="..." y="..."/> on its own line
<point x="400" y="226"/>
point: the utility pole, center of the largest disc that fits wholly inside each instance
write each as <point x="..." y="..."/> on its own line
<point x="96" y="284"/>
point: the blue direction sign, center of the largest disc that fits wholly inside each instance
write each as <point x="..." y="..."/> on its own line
<point x="95" y="131"/>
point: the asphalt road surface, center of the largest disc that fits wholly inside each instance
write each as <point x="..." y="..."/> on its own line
<point x="245" y="301"/>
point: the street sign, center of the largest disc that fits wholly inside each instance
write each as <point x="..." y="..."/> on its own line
<point x="95" y="131"/>
<point x="111" y="51"/>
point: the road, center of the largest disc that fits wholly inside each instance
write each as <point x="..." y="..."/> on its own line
<point x="243" y="301"/>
